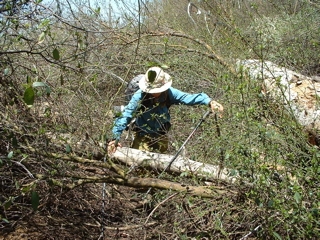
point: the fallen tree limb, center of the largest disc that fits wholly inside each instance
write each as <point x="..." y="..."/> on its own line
<point x="134" y="157"/>
<point x="74" y="158"/>
<point x="120" y="178"/>
<point x="73" y="181"/>
<point x="136" y="182"/>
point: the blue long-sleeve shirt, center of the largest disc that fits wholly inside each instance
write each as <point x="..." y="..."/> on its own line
<point x="152" y="119"/>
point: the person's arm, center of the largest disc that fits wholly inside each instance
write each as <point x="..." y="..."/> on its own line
<point x="122" y="121"/>
<point x="177" y="96"/>
<point x="126" y="116"/>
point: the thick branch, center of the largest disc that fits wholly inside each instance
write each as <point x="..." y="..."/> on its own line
<point x="136" y="182"/>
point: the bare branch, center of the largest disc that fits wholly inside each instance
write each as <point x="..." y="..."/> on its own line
<point x="136" y="182"/>
<point x="5" y="7"/>
<point x="212" y="53"/>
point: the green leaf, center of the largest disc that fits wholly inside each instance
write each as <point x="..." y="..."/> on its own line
<point x="14" y="142"/>
<point x="233" y="173"/>
<point x="42" y="84"/>
<point x="184" y="174"/>
<point x="152" y="76"/>
<point x="17" y="185"/>
<point x="165" y="66"/>
<point x="61" y="80"/>
<point x="28" y="96"/>
<point x="5" y="220"/>
<point x="45" y="23"/>
<point x="257" y="201"/>
<point x="35" y="200"/>
<point x="98" y="10"/>
<point x="41" y="37"/>
<point x="10" y="155"/>
<point x="27" y="188"/>
<point x="152" y="64"/>
<point x="270" y="203"/>
<point x="28" y="79"/>
<point x="6" y="71"/>
<point x="56" y="54"/>
<point x="39" y="84"/>
<point x="68" y="148"/>
<point x="7" y="204"/>
<point x="297" y="197"/>
<point x="276" y="235"/>
<point x="315" y="212"/>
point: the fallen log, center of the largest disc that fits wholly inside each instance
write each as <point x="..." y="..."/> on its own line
<point x="298" y="93"/>
<point x="138" y="158"/>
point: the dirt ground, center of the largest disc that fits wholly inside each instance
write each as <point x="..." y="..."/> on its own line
<point x="81" y="213"/>
<point x="98" y="211"/>
<point x="86" y="212"/>
<point x="108" y="211"/>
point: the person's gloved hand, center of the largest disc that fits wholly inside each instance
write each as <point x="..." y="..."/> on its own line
<point x="216" y="108"/>
<point x="112" y="146"/>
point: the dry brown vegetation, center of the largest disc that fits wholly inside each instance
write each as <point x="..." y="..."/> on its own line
<point x="64" y="67"/>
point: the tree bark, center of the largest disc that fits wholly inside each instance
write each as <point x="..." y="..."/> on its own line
<point x="134" y="157"/>
<point x="298" y="93"/>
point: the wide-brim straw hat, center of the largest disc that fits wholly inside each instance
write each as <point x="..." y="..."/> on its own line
<point x="155" y="81"/>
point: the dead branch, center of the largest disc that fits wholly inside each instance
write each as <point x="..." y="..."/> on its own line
<point x="211" y="53"/>
<point x="125" y="228"/>
<point x="74" y="158"/>
<point x="136" y="182"/>
<point x="218" y="58"/>
<point x="134" y="157"/>
<point x="171" y="196"/>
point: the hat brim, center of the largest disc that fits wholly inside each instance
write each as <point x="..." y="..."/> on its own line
<point x="143" y="85"/>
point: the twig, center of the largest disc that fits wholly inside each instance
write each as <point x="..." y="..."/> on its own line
<point x="103" y="204"/>
<point x="190" y="5"/>
<point x="247" y="235"/>
<point x="123" y="228"/>
<point x="21" y="165"/>
<point x="216" y="57"/>
<point x="159" y="205"/>
<point x="221" y="164"/>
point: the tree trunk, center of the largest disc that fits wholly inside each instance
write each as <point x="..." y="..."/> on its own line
<point x="298" y="93"/>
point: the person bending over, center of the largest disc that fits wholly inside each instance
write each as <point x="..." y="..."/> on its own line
<point x="148" y="109"/>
